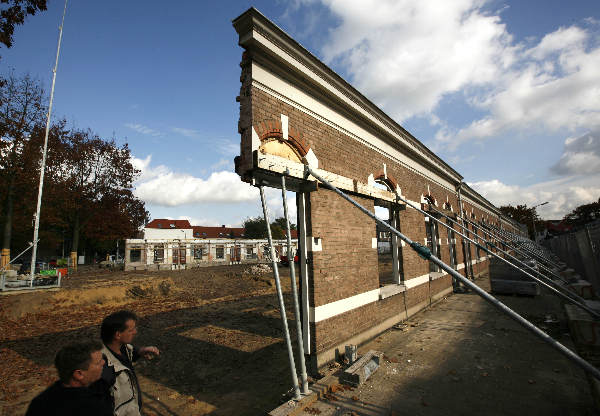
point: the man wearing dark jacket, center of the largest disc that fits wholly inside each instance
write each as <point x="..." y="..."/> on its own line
<point x="78" y="366"/>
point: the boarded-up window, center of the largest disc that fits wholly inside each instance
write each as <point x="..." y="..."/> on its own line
<point x="135" y="255"/>
<point x="159" y="253"/>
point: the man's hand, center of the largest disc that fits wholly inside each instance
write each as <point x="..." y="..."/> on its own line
<point x="149" y="352"/>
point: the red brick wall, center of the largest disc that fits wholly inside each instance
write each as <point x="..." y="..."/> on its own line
<point x="347" y="265"/>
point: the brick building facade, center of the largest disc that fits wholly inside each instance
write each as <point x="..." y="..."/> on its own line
<point x="295" y="110"/>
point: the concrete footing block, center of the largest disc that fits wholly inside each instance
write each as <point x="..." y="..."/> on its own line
<point x="514" y="287"/>
<point x="584" y="328"/>
<point x="583" y="288"/>
<point x="362" y="369"/>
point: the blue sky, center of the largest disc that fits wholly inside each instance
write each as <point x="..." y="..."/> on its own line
<point x="507" y="92"/>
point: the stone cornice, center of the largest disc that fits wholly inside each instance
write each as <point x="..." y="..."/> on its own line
<point x="254" y="28"/>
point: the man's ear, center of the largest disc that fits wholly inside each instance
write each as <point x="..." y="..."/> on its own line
<point x="78" y="375"/>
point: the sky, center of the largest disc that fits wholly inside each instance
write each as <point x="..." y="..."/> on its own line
<point x="506" y="92"/>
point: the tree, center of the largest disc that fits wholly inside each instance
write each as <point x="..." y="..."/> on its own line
<point x="583" y="214"/>
<point x="13" y="13"/>
<point x="98" y="180"/>
<point x="523" y="215"/>
<point x="22" y="110"/>
<point x="255" y="228"/>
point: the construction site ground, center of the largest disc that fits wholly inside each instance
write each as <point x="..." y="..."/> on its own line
<point x="463" y="357"/>
<point x="223" y="353"/>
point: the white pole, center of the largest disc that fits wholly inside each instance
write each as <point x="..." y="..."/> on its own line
<point x="43" y="167"/>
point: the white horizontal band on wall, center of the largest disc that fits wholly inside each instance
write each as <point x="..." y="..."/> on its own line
<point x="329" y="310"/>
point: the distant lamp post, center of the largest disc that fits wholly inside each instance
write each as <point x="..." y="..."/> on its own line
<point x="533" y="219"/>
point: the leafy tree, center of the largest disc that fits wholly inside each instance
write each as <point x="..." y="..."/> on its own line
<point x="13" y="13"/>
<point x="583" y="214"/>
<point x="255" y="228"/>
<point x="22" y="111"/>
<point x="98" y="179"/>
<point x="524" y="215"/>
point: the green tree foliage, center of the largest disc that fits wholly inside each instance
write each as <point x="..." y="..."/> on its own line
<point x="583" y="214"/>
<point x="255" y="228"/>
<point x="523" y="215"/>
<point x="88" y="187"/>
<point x="13" y="13"/>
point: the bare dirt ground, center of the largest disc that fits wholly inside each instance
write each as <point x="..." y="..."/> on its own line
<point x="218" y="330"/>
<point x="462" y="357"/>
<point x="223" y="353"/>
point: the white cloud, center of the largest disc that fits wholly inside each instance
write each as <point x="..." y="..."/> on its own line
<point x="223" y="163"/>
<point x="186" y="132"/>
<point x="563" y="194"/>
<point x="161" y="186"/>
<point x="143" y="129"/>
<point x="406" y="55"/>
<point x="581" y="155"/>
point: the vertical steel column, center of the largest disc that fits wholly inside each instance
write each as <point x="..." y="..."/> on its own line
<point x="301" y="198"/>
<point x="286" y="331"/>
<point x="294" y="290"/>
<point x="465" y="245"/>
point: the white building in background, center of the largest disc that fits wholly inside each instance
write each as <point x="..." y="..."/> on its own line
<point x="175" y="244"/>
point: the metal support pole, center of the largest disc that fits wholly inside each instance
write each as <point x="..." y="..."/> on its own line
<point x="286" y="331"/>
<point x="506" y="254"/>
<point x="532" y="253"/>
<point x="572" y="297"/>
<point x="426" y="254"/>
<point x="545" y="262"/>
<point x="43" y="167"/>
<point x="294" y="291"/>
<point x="508" y="236"/>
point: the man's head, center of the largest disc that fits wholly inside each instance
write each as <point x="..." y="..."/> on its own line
<point x="79" y="364"/>
<point x="119" y="326"/>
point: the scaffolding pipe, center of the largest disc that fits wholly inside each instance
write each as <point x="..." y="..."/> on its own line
<point x="533" y="250"/>
<point x="294" y="291"/>
<point x="505" y="252"/>
<point x="570" y="299"/>
<point x="286" y="331"/>
<point x="525" y="252"/>
<point x="537" y="251"/>
<point x="533" y="256"/>
<point x="426" y="254"/>
<point x="43" y="167"/>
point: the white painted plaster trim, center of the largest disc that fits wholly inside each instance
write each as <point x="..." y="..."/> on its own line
<point x="273" y="85"/>
<point x="255" y="140"/>
<point x="314" y="243"/>
<point x="416" y="281"/>
<point x="329" y="310"/>
<point x="284" y="126"/>
<point x="374" y="242"/>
